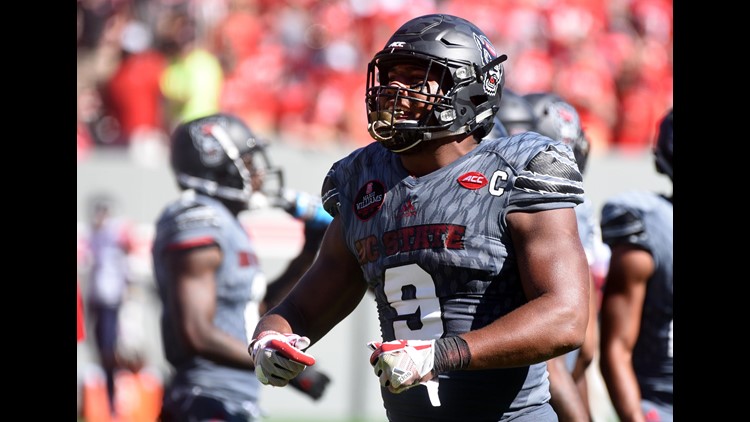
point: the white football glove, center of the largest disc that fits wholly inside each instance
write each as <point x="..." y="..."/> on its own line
<point x="279" y="357"/>
<point x="403" y="364"/>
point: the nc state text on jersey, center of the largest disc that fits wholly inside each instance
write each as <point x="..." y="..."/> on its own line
<point x="411" y="238"/>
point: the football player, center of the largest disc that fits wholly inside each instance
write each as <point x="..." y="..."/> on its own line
<point x="208" y="274"/>
<point x="471" y="247"/>
<point x="637" y="305"/>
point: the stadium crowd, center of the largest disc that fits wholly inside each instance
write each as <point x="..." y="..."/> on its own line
<point x="293" y="69"/>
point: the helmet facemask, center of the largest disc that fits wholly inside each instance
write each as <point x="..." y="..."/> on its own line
<point x="459" y="88"/>
<point x="265" y="178"/>
<point x="397" y="114"/>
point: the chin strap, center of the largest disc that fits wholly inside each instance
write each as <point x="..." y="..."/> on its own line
<point x="380" y="120"/>
<point x="428" y="136"/>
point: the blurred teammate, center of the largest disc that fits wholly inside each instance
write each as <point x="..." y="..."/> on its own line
<point x="514" y="116"/>
<point x="471" y="248"/>
<point x="556" y="118"/>
<point x="208" y="274"/>
<point x="637" y="305"/>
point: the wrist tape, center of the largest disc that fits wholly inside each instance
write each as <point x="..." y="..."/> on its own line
<point x="451" y="353"/>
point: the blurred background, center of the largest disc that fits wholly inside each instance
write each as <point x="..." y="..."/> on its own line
<point x="294" y="70"/>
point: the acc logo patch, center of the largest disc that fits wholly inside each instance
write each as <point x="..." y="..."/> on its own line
<point x="472" y="180"/>
<point x="369" y="199"/>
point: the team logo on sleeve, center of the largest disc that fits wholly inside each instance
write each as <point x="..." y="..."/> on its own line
<point x="472" y="180"/>
<point x="369" y="199"/>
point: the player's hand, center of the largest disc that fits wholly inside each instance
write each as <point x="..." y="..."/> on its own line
<point x="285" y="199"/>
<point x="304" y="207"/>
<point x="403" y="364"/>
<point x="311" y="382"/>
<point x="279" y="357"/>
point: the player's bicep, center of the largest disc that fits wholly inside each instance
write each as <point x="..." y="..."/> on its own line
<point x="550" y="255"/>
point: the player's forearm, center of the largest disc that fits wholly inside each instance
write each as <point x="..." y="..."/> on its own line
<point x="568" y="404"/>
<point x="295" y="315"/>
<point x="321" y="298"/>
<point x="622" y="386"/>
<point x="536" y="332"/>
<point x="281" y="286"/>
<point x="588" y="348"/>
<point x="222" y="348"/>
<point x="583" y="391"/>
<point x="626" y="400"/>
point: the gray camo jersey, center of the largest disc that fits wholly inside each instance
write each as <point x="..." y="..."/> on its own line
<point x="193" y="220"/>
<point x="646" y="219"/>
<point x="437" y="253"/>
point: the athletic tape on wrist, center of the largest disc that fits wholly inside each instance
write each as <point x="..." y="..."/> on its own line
<point x="451" y="353"/>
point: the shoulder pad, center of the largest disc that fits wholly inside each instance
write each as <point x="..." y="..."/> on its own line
<point x="554" y="162"/>
<point x="197" y="216"/>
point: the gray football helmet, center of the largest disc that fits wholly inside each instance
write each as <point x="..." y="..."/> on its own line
<point x="559" y="120"/>
<point x="471" y="82"/>
<point x="218" y="156"/>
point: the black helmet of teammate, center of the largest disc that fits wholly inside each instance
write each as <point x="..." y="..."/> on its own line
<point x="212" y="154"/>
<point x="664" y="144"/>
<point x="472" y="82"/>
<point x="559" y="120"/>
<point x="516" y="113"/>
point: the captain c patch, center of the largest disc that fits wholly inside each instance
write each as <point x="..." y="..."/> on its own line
<point x="369" y="199"/>
<point x="472" y="180"/>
